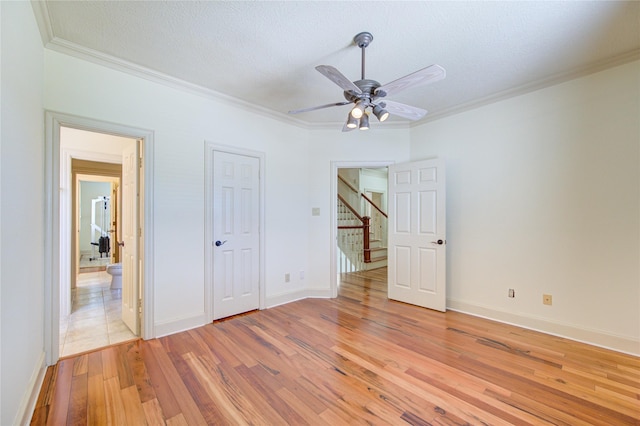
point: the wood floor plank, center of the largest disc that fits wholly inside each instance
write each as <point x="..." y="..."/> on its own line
<point x="139" y="372"/>
<point x="188" y="407"/>
<point x="80" y="365"/>
<point x="78" y="403"/>
<point x="201" y="398"/>
<point x="96" y="403"/>
<point x="132" y="406"/>
<point x="357" y="359"/>
<point x="161" y="386"/>
<point x="61" y="393"/>
<point x="123" y="366"/>
<point x="94" y="364"/>
<point x="109" y="362"/>
<point x="114" y="405"/>
<point x="152" y="412"/>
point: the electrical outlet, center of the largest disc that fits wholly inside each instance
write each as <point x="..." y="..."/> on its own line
<point x="512" y="293"/>
<point x="287" y="277"/>
<point x="547" y="299"/>
<point x="301" y="275"/>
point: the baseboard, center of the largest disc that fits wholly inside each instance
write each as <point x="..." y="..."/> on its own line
<point x="177" y="325"/>
<point x="30" y="397"/>
<point x="592" y="337"/>
<point x="284" y="298"/>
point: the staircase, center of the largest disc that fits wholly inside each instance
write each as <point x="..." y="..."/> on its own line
<point x="357" y="253"/>
<point x="378" y="255"/>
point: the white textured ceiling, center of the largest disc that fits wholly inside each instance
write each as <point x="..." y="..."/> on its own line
<point x="264" y="53"/>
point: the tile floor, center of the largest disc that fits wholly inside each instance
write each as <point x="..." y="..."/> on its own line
<point x="93" y="260"/>
<point x="95" y="319"/>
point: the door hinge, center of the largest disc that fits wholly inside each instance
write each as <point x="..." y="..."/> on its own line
<point x="140" y="306"/>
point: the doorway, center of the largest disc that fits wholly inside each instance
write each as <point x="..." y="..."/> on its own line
<point x="376" y="185"/>
<point x="70" y="138"/>
<point x="94" y="318"/>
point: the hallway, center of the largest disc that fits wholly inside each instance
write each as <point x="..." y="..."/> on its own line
<point x="95" y="319"/>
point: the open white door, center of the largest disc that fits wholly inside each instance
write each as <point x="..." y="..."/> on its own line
<point x="129" y="231"/>
<point x="236" y="234"/>
<point x="417" y="241"/>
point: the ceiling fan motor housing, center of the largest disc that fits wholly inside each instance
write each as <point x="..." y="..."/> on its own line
<point x="368" y="88"/>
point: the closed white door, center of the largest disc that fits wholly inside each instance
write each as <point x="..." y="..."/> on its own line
<point x="129" y="232"/>
<point x="417" y="241"/>
<point x="236" y="234"/>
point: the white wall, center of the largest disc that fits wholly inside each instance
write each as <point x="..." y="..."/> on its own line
<point x="543" y="196"/>
<point x="76" y="140"/>
<point x="21" y="210"/>
<point x="181" y="123"/>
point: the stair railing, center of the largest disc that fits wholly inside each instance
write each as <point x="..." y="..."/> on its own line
<point x="353" y="237"/>
<point x="378" y="218"/>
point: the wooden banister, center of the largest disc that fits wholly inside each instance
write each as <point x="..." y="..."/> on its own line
<point x="373" y="204"/>
<point x="348" y="184"/>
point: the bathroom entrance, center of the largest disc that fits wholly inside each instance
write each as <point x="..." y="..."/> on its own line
<point x="92" y="304"/>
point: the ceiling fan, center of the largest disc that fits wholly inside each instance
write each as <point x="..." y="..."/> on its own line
<point x="369" y="94"/>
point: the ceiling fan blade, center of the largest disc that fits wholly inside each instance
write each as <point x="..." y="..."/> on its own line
<point x="298" y="111"/>
<point x="429" y="74"/>
<point x="338" y="78"/>
<point x="402" y="110"/>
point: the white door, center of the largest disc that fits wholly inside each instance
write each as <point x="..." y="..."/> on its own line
<point x="129" y="231"/>
<point x="417" y="241"/>
<point x="236" y="234"/>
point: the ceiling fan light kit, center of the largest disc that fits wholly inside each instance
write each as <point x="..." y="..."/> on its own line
<point x="366" y="93"/>
<point x="380" y="113"/>
<point x="358" y="110"/>
<point x="364" y="122"/>
<point x="352" y="122"/>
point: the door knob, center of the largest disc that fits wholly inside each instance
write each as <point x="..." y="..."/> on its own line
<point x="439" y="242"/>
<point x="121" y="243"/>
<point x="219" y="243"/>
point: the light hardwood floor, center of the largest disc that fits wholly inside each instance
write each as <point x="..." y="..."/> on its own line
<point x="356" y="359"/>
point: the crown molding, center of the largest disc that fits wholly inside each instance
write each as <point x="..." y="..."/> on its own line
<point x="43" y="20"/>
<point x="99" y="58"/>
<point x="622" y="59"/>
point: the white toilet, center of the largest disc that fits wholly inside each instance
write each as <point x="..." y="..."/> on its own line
<point x="115" y="270"/>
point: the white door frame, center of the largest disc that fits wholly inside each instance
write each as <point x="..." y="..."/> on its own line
<point x="335" y="165"/>
<point x="53" y="227"/>
<point x="209" y="148"/>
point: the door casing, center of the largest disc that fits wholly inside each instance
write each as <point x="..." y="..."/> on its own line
<point x="53" y="225"/>
<point x="335" y="165"/>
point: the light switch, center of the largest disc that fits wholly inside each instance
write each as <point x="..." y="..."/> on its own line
<point x="315" y="211"/>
